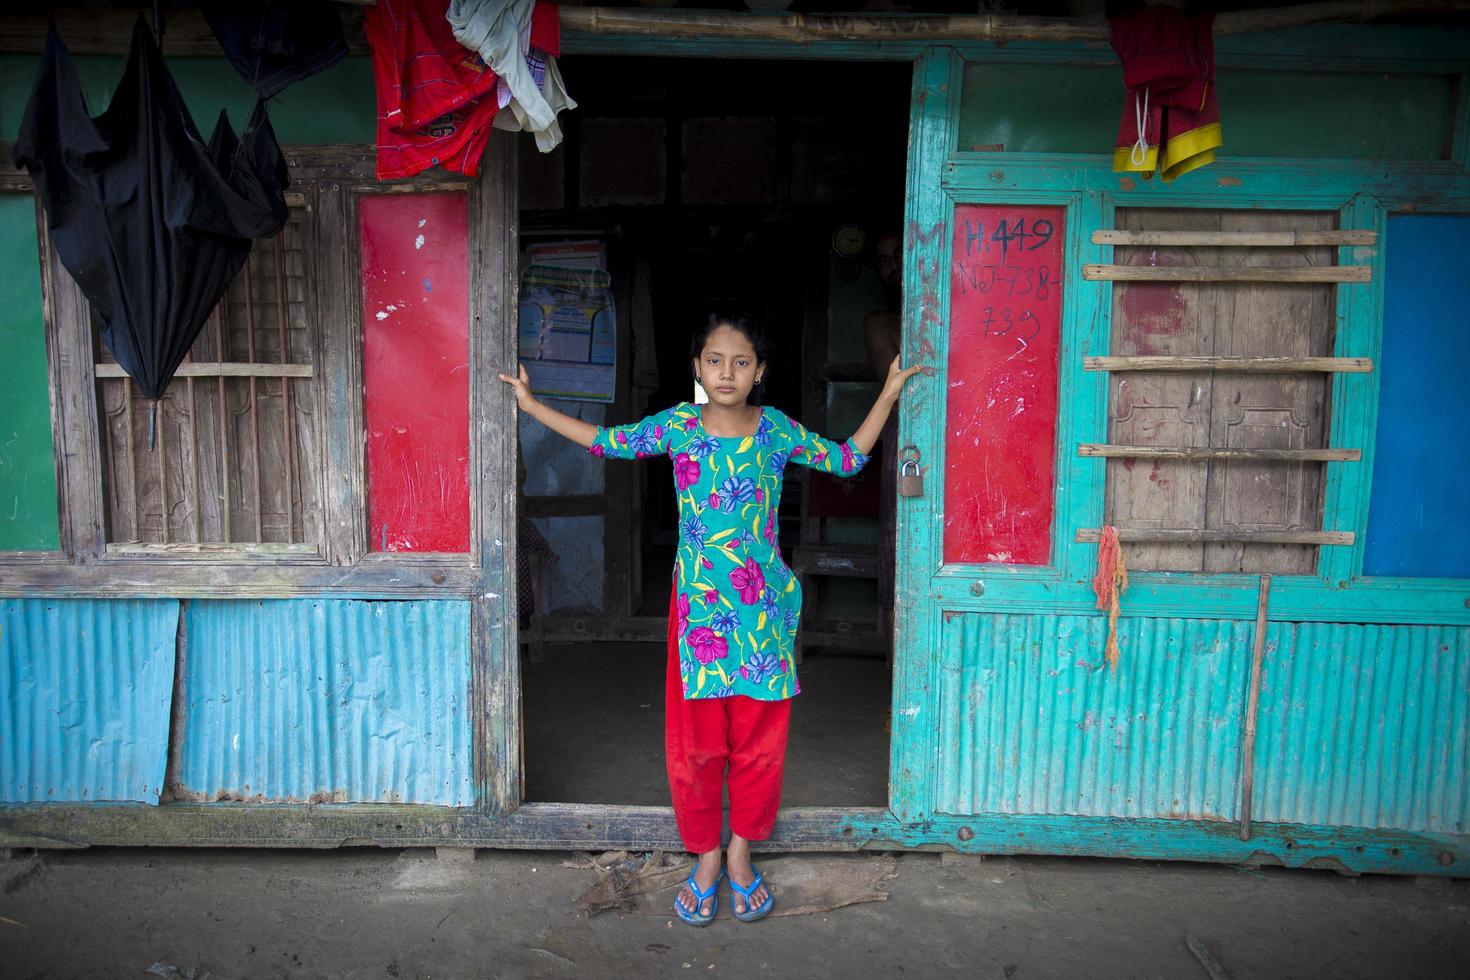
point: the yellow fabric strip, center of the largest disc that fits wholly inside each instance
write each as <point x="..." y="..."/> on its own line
<point x="1190" y="151"/>
<point x="1123" y="160"/>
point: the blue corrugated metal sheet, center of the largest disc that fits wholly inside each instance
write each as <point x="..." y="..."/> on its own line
<point x="328" y="700"/>
<point x="85" y="687"/>
<point x="1033" y="721"/>
<point x="1365" y="726"/>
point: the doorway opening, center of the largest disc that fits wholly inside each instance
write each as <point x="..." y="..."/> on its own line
<point x="700" y="185"/>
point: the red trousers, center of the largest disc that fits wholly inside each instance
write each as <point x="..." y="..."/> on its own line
<point x="704" y="736"/>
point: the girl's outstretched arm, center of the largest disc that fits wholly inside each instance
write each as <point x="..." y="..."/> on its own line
<point x="867" y="434"/>
<point x="582" y="433"/>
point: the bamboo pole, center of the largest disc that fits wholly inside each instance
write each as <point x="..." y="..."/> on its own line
<point x="1253" y="700"/>
<point x="976" y="27"/>
<point x="1243" y="365"/>
<point x="89" y="30"/>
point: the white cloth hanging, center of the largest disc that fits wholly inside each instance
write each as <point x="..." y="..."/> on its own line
<point x="500" y="32"/>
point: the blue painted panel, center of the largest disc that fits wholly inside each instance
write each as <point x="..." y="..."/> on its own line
<point x="1416" y="515"/>
<point x="1033" y="721"/>
<point x="319" y="700"/>
<point x="1365" y="726"/>
<point x="85" y="687"/>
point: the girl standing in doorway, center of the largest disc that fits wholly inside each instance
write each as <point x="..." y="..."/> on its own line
<point x="735" y="605"/>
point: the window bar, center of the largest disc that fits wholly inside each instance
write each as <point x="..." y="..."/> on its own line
<point x="254" y="408"/>
<point x="285" y="384"/>
<point x="162" y="474"/>
<point x="224" y="437"/>
<point x="193" y="435"/>
<point x="198" y="507"/>
<point x="132" y="459"/>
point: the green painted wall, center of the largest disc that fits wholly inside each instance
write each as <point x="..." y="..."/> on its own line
<point x="334" y="106"/>
<point x="1074" y="109"/>
<point x="27" y="468"/>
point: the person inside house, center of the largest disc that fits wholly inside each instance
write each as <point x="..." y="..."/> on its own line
<point x="882" y="336"/>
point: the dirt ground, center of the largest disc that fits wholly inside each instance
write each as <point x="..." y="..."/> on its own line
<point x="413" y="914"/>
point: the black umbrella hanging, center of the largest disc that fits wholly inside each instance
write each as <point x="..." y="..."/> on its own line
<point x="152" y="223"/>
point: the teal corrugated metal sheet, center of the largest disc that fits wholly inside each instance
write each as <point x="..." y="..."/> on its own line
<point x="1033" y="721"/>
<point x="328" y="700"/>
<point x="1365" y="726"/>
<point x="85" y="686"/>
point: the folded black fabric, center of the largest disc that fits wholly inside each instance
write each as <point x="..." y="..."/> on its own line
<point x="273" y="45"/>
<point x="152" y="223"/>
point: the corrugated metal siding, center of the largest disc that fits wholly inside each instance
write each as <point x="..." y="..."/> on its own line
<point x="1032" y="720"/>
<point x="84" y="698"/>
<point x="328" y="700"/>
<point x="1365" y="726"/>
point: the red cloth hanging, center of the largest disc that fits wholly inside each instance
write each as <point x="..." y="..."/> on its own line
<point x="436" y="99"/>
<point x="1171" y="116"/>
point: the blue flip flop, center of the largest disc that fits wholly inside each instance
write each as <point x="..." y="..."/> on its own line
<point x="695" y="918"/>
<point x="762" y="910"/>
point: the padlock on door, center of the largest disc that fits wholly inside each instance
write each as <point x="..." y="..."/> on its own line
<point x="910" y="479"/>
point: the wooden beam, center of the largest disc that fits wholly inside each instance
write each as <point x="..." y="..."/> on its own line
<point x="11" y="179"/>
<point x="218" y="369"/>
<point x="1234" y="238"/>
<point x="1111" y="451"/>
<point x="1243" y="365"/>
<point x="1091" y="535"/>
<point x="90" y="30"/>
<point x="570" y="826"/>
<point x="1218" y="273"/>
<point x="94" y="30"/>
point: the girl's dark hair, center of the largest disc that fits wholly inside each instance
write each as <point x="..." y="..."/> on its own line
<point x="746" y="324"/>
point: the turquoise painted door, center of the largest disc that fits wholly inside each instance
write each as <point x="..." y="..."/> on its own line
<point x="1011" y="729"/>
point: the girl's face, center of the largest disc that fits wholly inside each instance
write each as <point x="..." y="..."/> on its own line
<point x="727" y="367"/>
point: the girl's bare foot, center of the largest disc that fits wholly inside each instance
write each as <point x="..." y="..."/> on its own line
<point x="737" y="865"/>
<point x="704" y="877"/>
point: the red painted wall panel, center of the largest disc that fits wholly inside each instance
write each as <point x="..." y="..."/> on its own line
<point x="1001" y="415"/>
<point x="416" y="379"/>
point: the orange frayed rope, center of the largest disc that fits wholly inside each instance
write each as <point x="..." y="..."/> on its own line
<point x="1109" y="582"/>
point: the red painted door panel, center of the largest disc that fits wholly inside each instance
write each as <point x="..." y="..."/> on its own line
<point x="416" y="379"/>
<point x="1001" y="409"/>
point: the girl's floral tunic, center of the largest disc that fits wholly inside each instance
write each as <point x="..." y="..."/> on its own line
<point x="738" y="604"/>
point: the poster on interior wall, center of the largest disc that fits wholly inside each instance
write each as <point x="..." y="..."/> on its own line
<point x="568" y="332"/>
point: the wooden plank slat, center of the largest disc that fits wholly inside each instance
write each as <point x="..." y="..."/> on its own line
<point x="1091" y="535"/>
<point x="218" y="549"/>
<point x="1208" y="273"/>
<point x="1235" y="238"/>
<point x="217" y="369"/>
<point x="495" y="674"/>
<point x="1245" y="365"/>
<point x="1111" y="451"/>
